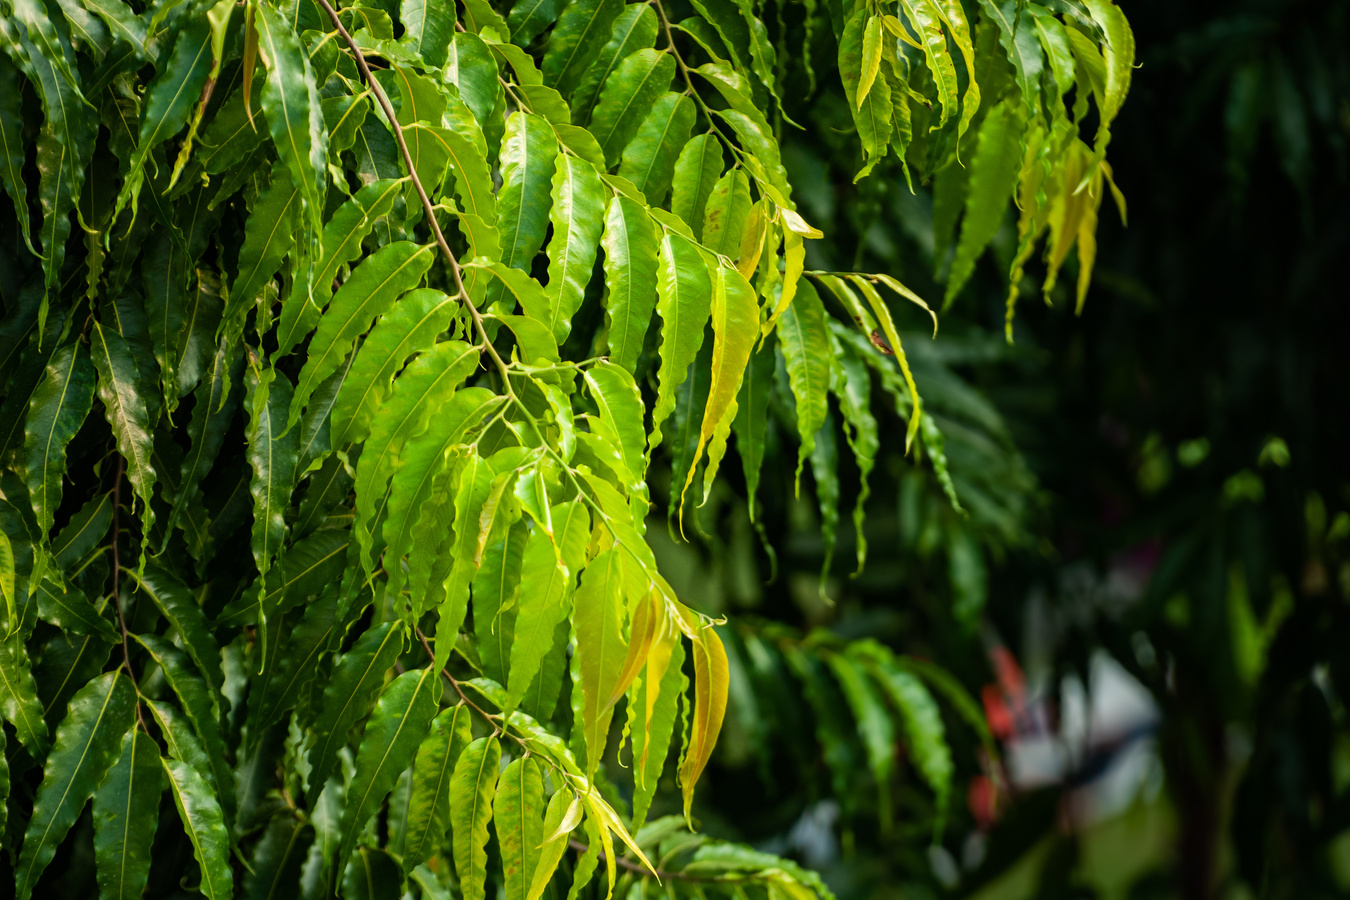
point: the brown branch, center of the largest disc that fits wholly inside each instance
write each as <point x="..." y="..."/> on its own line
<point x="639" y="868"/>
<point x="427" y="206"/>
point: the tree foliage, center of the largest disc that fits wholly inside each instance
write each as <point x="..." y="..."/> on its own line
<point x="338" y="351"/>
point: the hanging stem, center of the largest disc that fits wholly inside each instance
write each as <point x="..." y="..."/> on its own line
<point x="427" y="207"/>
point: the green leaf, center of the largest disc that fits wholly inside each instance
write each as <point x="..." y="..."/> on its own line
<point x="123" y="24"/>
<point x="83" y="532"/>
<point x="825" y="470"/>
<point x="926" y="20"/>
<point x="272" y="453"/>
<point x="518" y="809"/>
<point x="527" y="162"/>
<point x="872" y="111"/>
<point x="752" y="419"/>
<point x="649" y="159"/>
<point x="562" y="816"/>
<point x="581" y="32"/>
<point x="277" y="857"/>
<point x="653" y="716"/>
<point x="953" y="14"/>
<point x="620" y="407"/>
<point x="697" y="169"/>
<point x="370" y="291"/>
<point x="351" y="689"/>
<point x="871" y="57"/>
<point x="726" y="209"/>
<point x="279" y="688"/>
<point x="342" y="237"/>
<point x="597" y="625"/>
<point x="426" y="824"/>
<point x="87" y="744"/>
<point x="735" y="323"/>
<point x="634" y="29"/>
<point x="548" y="573"/>
<point x="201" y="709"/>
<point x="56" y="411"/>
<point x="205" y="826"/>
<point x="401" y="719"/>
<point x="18" y="693"/>
<point x="496" y="585"/>
<point x="875" y="730"/>
<point x="529" y="17"/>
<point x="711" y="682"/>
<point x="7" y="578"/>
<point x="269" y="235"/>
<point x="11" y="145"/>
<point x="627" y="98"/>
<point x="854" y="389"/>
<point x="806" y="354"/>
<point x="923" y="726"/>
<point x="182" y="742"/>
<point x="423" y="460"/>
<point x="427" y="383"/>
<point x="577" y="216"/>
<point x="125" y="410"/>
<point x="998" y="159"/>
<point x="684" y="301"/>
<point x="412" y="326"/>
<point x="126" y="812"/>
<point x="428" y="28"/>
<point x="630" y="278"/>
<point x="176" y="603"/>
<point x="1017" y="35"/>
<point x="290" y="100"/>
<point x="472" y="789"/>
<point x="67" y="607"/>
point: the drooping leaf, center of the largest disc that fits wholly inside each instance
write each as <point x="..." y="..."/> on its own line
<point x="627" y="98"/>
<point x="124" y="407"/>
<point x="649" y="159"/>
<point x="126" y="812"/>
<point x="806" y="352"/>
<point x="18" y="694"/>
<point x="582" y="30"/>
<point x="472" y="790"/>
<point x="396" y="728"/>
<point x="55" y="412"/>
<point x="684" y="293"/>
<point x="630" y="278"/>
<point x="597" y="625"/>
<point x="577" y="216"/>
<point x="87" y="744"/>
<point x="426" y="825"/>
<point x="205" y="826"/>
<point x="697" y="169"/>
<point x="518" y="812"/>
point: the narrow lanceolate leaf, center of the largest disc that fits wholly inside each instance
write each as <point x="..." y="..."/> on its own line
<point x="548" y="572"/>
<point x="619" y="404"/>
<point x="710" y="704"/>
<point x="57" y="409"/>
<point x="126" y="812"/>
<point x="87" y="744"/>
<point x="169" y="100"/>
<point x="125" y="410"/>
<point x="577" y="216"/>
<point x="422" y="463"/>
<point x="627" y="98"/>
<point x="496" y="586"/>
<point x="752" y="419"/>
<point x="875" y="730"/>
<point x="472" y="790"/>
<point x="372" y="288"/>
<point x="350" y="225"/>
<point x="998" y="158"/>
<point x="954" y="15"/>
<point x="684" y="293"/>
<point x="427" y="383"/>
<point x="527" y="161"/>
<point x="396" y="728"/>
<point x="560" y="819"/>
<point x="410" y="327"/>
<point x="871" y="58"/>
<point x="269" y="235"/>
<point x="290" y="100"/>
<point x="634" y="29"/>
<point x="582" y="30"/>
<point x="18" y="694"/>
<point x="176" y="603"/>
<point x="205" y="826"/>
<point x="872" y="111"/>
<point x="297" y="663"/>
<point x="426" y="825"/>
<point x="697" y="169"/>
<point x="456" y="553"/>
<point x="655" y="712"/>
<point x="630" y="278"/>
<point x="201" y="710"/>
<point x="68" y="608"/>
<point x="518" y="810"/>
<point x="597" y="624"/>
<point x="217" y="398"/>
<point x="272" y="453"/>
<point x="806" y="352"/>
<point x="278" y="857"/>
<point x="649" y="159"/>
<point x="12" y="150"/>
<point x="356" y="678"/>
<point x="923" y="723"/>
<point x="725" y="212"/>
<point x="735" y="321"/>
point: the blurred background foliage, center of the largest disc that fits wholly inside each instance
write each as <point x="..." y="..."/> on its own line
<point x="1141" y="598"/>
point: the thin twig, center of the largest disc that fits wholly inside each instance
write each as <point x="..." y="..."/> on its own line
<point x="427" y="207"/>
<point x="116" y="587"/>
<point x="639" y="868"/>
